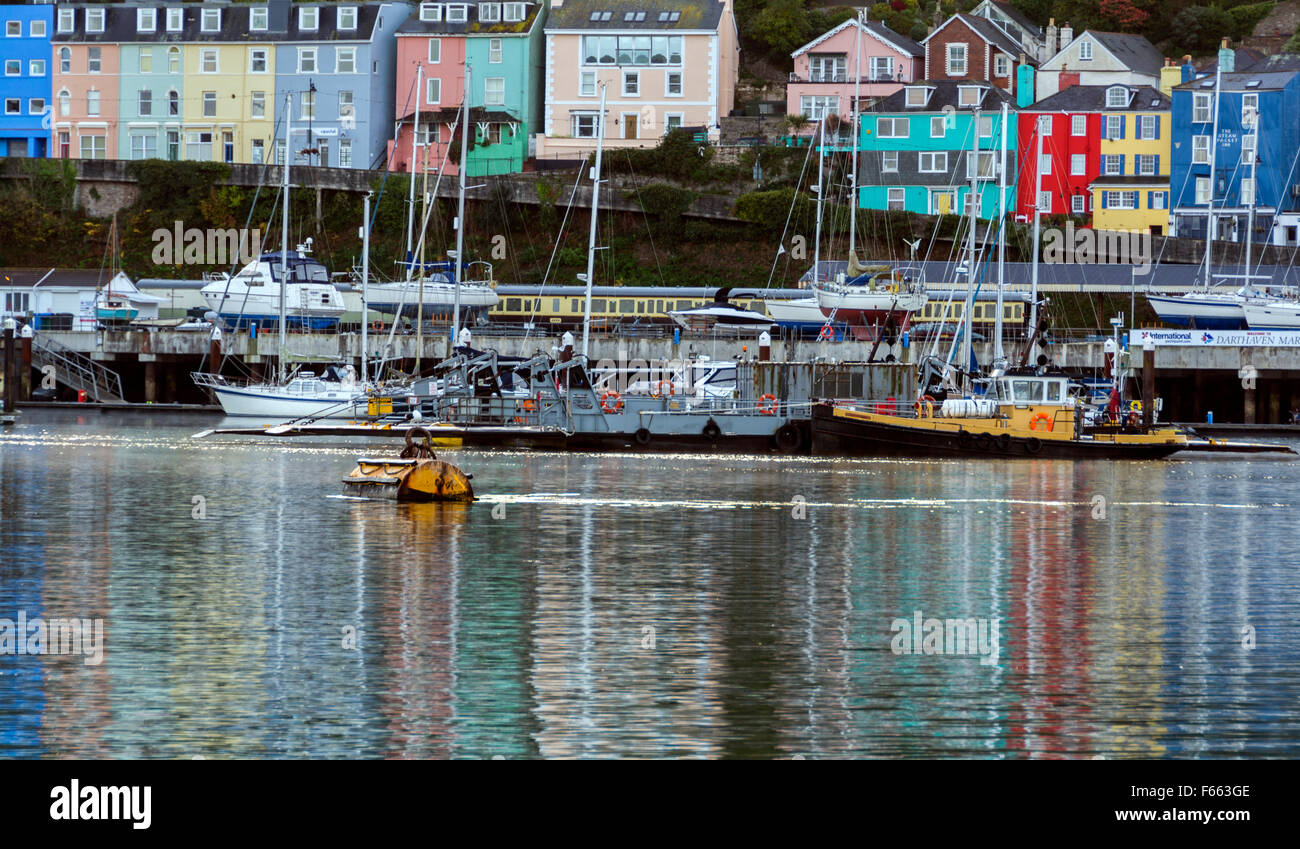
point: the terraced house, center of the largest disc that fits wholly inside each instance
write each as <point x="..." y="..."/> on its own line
<point x="867" y="58"/>
<point x="501" y="45"/>
<point x="25" y="53"/>
<point x="665" y="64"/>
<point x="85" y="80"/>
<point x="923" y="145"/>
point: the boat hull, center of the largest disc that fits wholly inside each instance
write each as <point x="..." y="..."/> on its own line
<point x="836" y="434"/>
<point x="272" y="322"/>
<point x="237" y="401"/>
<point x="1277" y="316"/>
<point x="1199" y="313"/>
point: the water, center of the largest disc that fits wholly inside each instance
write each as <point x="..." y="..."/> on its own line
<point x="520" y="626"/>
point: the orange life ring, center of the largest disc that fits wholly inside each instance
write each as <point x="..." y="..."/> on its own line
<point x="827" y="335"/>
<point x="928" y="401"/>
<point x="767" y="404"/>
<point x="377" y="326"/>
<point x="528" y="405"/>
<point x="614" y="407"/>
<point x="1033" y="423"/>
<point x="659" y="388"/>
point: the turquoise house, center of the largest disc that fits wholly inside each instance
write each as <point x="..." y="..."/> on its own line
<point x="151" y="89"/>
<point x="919" y="150"/>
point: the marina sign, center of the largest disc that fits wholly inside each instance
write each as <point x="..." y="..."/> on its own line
<point x="1218" y="338"/>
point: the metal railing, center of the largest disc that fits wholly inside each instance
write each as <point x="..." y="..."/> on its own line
<point x="76" y="370"/>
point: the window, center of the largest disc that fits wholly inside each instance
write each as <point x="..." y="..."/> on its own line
<point x="494" y="51"/>
<point x="347" y="18"/>
<point x="933" y="162"/>
<point x="1045" y="165"/>
<point x="67" y="20"/>
<point x="489" y="11"/>
<point x="431" y="12"/>
<point x="93" y="55"/>
<point x="306" y="60"/>
<point x="1078" y="125"/>
<point x="917" y="96"/>
<point x="1044" y="202"/>
<point x="891" y="128"/>
<point x="1249" y="109"/>
<point x="144" y="146"/>
<point x="673" y="84"/>
<point x="347" y="109"/>
<point x="889" y="162"/>
<point x="631" y="83"/>
<point x="1114" y="127"/>
<point x="308" y="106"/>
<point x="433" y="90"/>
<point x="494" y="91"/>
<point x="36" y="29"/>
<point x="435" y="50"/>
<point x="968" y="95"/>
<point x="1158" y="200"/>
<point x="985" y="163"/>
<point x="818" y="106"/>
<point x="13" y="29"/>
<point x="308" y="18"/>
<point x="895" y="198"/>
<point x="94" y="147"/>
<point x="228" y="146"/>
<point x="1148" y="126"/>
<point x="1202" y="190"/>
<point x="1078" y="165"/>
<point x="65" y="60"/>
<point x="209" y="104"/>
<point x="65" y="103"/>
<point x="13" y="67"/>
<point x="1247" y="191"/>
<point x="456" y="14"/>
<point x="13" y="106"/>
<point x="173" y="104"/>
<point x="1201" y="108"/>
<point x="259" y="151"/>
<point x="1146" y="164"/>
<point x="1112" y="165"/>
<point x="514" y="13"/>
<point x="882" y="67"/>
<point x="631" y="50"/>
<point x="1200" y="150"/>
<point x="257" y="60"/>
<point x="1248" y="148"/>
<point x="828" y="67"/>
<point x="208" y="60"/>
<point x="257" y="19"/>
<point x="347" y="60"/>
<point x="1079" y="203"/>
<point x="986" y="126"/>
<point x="144" y="103"/>
<point x="198" y="146"/>
<point x="1085" y="51"/>
<point x="938" y="126"/>
<point x="1119" y="200"/>
<point x="64" y="144"/>
<point x="95" y="20"/>
<point x="279" y="152"/>
<point x="146" y="60"/>
<point x="956" y="60"/>
<point x="257" y="105"/>
<point x="92" y="103"/>
<point x="673" y="120"/>
<point x="175" y="20"/>
<point x="146" y="20"/>
<point x="345" y="153"/>
<point x="583" y="125"/>
<point x="1117" y="97"/>
<point x="173" y="60"/>
<point x="1044" y="125"/>
<point x="587" y="84"/>
<point x="211" y="21"/>
<point x="1002" y="65"/>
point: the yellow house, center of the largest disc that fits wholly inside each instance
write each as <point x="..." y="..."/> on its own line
<point x="229" y="102"/>
<point x="1131" y="191"/>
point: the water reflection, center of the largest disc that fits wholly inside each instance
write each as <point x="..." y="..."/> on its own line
<point x="640" y="606"/>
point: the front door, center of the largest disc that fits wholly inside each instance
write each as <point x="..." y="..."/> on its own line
<point x="630" y="121"/>
<point x="942" y="203"/>
<point x="324" y="148"/>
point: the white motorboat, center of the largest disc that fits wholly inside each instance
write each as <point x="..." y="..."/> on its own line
<point x="1272" y="314"/>
<point x="253" y="295"/>
<point x="434" y="297"/>
<point x="722" y="315"/>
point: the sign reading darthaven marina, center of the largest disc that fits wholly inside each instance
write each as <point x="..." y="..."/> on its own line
<point x="1218" y="338"/>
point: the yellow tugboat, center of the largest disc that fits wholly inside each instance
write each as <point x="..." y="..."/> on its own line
<point x="415" y="475"/>
<point x="1027" y="412"/>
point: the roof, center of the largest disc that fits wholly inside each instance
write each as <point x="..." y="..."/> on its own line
<point x="1018" y="16"/>
<point x="1270" y="64"/>
<point x="1237" y="81"/>
<point x="447" y="115"/>
<point x="945" y="94"/>
<point x="120" y="25"/>
<point x="989" y="31"/>
<point x="1092" y="98"/>
<point x="878" y="29"/>
<point x="472" y="25"/>
<point x="1134" y="51"/>
<point x="691" y="15"/>
<point x="1243" y="58"/>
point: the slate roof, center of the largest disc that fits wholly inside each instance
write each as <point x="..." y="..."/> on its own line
<point x="1092" y="98"/>
<point x="1134" y="51"/>
<point x="945" y="94"/>
<point x="120" y="24"/>
<point x="1236" y="81"/>
<point x="1018" y="16"/>
<point x="994" y="34"/>
<point x="691" y="15"/>
<point x="472" y="25"/>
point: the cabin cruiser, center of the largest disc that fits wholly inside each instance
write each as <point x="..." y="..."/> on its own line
<point x="722" y="315"/>
<point x="311" y="302"/>
<point x="434" y="295"/>
<point x="1272" y="315"/>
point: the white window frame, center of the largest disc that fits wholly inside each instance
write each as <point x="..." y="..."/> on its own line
<point x="586" y="83"/>
<point x="577" y="121"/>
<point x="941" y="123"/>
<point x="937" y="162"/>
<point x="93" y="103"/>
<point x="876" y="75"/>
<point x="16" y="65"/>
<point x="435" y="51"/>
<point x="491" y="98"/>
<point x="1200" y="150"/>
<point x="1247" y="193"/>
<point x="308" y="18"/>
<point x="1078" y="125"/>
<point x="681" y="84"/>
<point x="1158" y="199"/>
<point x="1117" y="97"/>
<point x="1044" y="202"/>
<point x="35" y="106"/>
<point x="457" y="14"/>
<point x="304" y="53"/>
<point x="514" y="12"/>
<point x="174" y="53"/>
<point x="889" y="162"/>
<point x="951" y="59"/>
<point x="431" y="96"/>
<point x="94" y="21"/>
<point x="1078" y="165"/>
<point x="252" y="60"/>
<point x="205" y="102"/>
<point x="65" y="60"/>
<point x="896" y="198"/>
<point x="348" y="14"/>
<point x="1202" y="191"/>
<point x="1250" y="115"/>
<point x="259" y="19"/>
<point x="1114" y="126"/>
<point x="206" y="53"/>
<point x="978" y="159"/>
<point x="1202" y="106"/>
<point x="1112" y="159"/>
<point x="36" y="29"/>
<point x="496" y="50"/>
<point x="1079" y="204"/>
<point x="1002" y="61"/>
<point x="893" y="124"/>
<point x="635" y="78"/>
<point x="97" y="54"/>
<point x="146" y="20"/>
<point x="339" y="53"/>
<point x="13" y="29"/>
<point x="431" y="12"/>
<point x="1045" y="125"/>
<point x="1045" y="165"/>
<point x="968" y="96"/>
<point x="1143" y="160"/>
<point x="210" y="20"/>
<point x="175" y="19"/>
<point x="257" y="105"/>
<point x="67" y="20"/>
<point x="13" y="106"/>
<point x="489" y="12"/>
<point x="1085" y="51"/>
<point x="916" y="96"/>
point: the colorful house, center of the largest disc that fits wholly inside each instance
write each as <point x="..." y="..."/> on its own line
<point x="868" y="58"/>
<point x="25" y="52"/>
<point x="974" y="49"/>
<point x="502" y="46"/>
<point x="1099" y="59"/>
<point x="1105" y="157"/>
<point x="1016" y="24"/>
<point x="673" y="63"/>
<point x="919" y="149"/>
<point x="85" y="85"/>
<point x="1258" y="117"/>
<point x="337" y="62"/>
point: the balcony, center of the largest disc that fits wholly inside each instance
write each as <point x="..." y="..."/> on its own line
<point x="839" y="79"/>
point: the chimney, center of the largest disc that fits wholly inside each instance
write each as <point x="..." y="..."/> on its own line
<point x="1067" y="35"/>
<point x="1049" y="41"/>
<point x="1170" y="76"/>
<point x="1189" y="70"/>
<point x="1024" y="83"/>
<point x="1227" y="57"/>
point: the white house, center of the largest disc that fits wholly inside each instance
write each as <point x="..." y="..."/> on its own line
<point x="1100" y="58"/>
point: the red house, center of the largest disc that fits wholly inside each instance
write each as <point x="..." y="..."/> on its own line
<point x="1071" y="128"/>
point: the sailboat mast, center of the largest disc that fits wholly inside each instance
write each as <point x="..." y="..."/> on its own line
<point x="1038" y="220"/>
<point x="595" y="205"/>
<point x="1250" y="210"/>
<point x="415" y="146"/>
<point x="998" y="354"/>
<point x="974" y="201"/>
<point x="460" y="211"/>
<point x="821" y="192"/>
<point x="856" y="110"/>
<point x="1214" y="145"/>
<point x="284" y="230"/>
<point x="365" y="284"/>
<point x="419" y="284"/>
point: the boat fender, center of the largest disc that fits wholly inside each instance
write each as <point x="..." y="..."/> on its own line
<point x="642" y="436"/>
<point x="965" y="438"/>
<point x="985" y="441"/>
<point x="1033" y="445"/>
<point x="788" y="437"/>
<point x="711" y="430"/>
<point x="1003" y="441"/>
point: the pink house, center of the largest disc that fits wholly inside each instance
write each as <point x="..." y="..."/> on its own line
<point x="441" y="86"/>
<point x="85" y="100"/>
<point x="829" y="68"/>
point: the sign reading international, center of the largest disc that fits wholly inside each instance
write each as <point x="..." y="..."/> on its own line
<point x="1217" y="338"/>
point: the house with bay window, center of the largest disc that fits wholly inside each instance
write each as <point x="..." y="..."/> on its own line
<point x="500" y="44"/>
<point x="25" y="53"/>
<point x="868" y="58"/>
<point x="664" y="64"/>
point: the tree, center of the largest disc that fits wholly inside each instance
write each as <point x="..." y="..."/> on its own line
<point x="782" y="25"/>
<point x="1197" y="29"/>
<point x="1124" y="15"/>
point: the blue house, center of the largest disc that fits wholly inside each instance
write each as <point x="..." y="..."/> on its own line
<point x="1259" y="110"/>
<point x="339" y="62"/>
<point x="25" y="51"/>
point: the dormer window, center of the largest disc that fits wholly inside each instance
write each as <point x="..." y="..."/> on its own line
<point x="211" y="20"/>
<point x="175" y="20"/>
<point x="917" y="96"/>
<point x="489" y="12"/>
<point x="970" y="95"/>
<point x="1117" y="97"/>
<point x="347" y="19"/>
<point x="257" y="19"/>
<point x="514" y="13"/>
<point x="67" y="20"/>
<point x="94" y="20"/>
<point x="605" y="16"/>
<point x="457" y="14"/>
<point x="146" y="20"/>
<point x="309" y="18"/>
<point x="431" y="12"/>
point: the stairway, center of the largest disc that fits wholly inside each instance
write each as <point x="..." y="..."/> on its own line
<point x="76" y="371"/>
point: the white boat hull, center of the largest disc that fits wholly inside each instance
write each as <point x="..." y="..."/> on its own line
<point x="1203" y="312"/>
<point x="1277" y="315"/>
<point x="274" y="404"/>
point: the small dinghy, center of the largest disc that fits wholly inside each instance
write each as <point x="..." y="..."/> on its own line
<point x="414" y="475"/>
